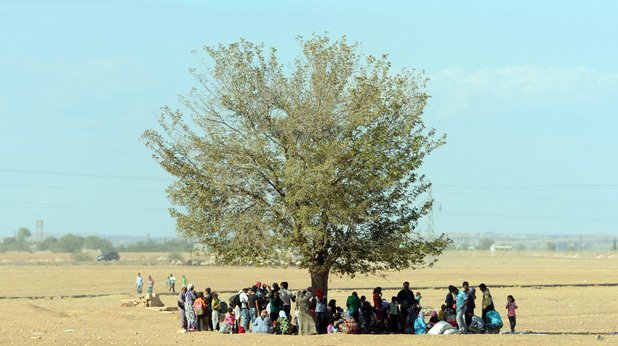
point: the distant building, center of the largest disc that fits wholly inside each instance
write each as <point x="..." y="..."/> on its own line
<point x="495" y="247"/>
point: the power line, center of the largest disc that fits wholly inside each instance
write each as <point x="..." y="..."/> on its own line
<point x="526" y="198"/>
<point x="70" y="174"/>
<point x="525" y="187"/>
<point x="527" y="217"/>
<point x="64" y="206"/>
<point x="81" y="188"/>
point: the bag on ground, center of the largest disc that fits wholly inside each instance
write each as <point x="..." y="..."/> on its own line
<point x="494" y="321"/>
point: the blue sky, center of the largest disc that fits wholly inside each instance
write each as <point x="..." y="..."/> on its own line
<point x="527" y="93"/>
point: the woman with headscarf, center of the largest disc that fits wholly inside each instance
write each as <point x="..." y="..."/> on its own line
<point x="181" y="310"/>
<point x="283" y="324"/>
<point x="263" y="324"/>
<point x="189" y="312"/>
<point x="306" y="324"/>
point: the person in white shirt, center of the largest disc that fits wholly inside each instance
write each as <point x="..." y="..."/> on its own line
<point x="173" y="283"/>
<point x="287" y="297"/>
<point x="245" y="316"/>
<point x="139" y="283"/>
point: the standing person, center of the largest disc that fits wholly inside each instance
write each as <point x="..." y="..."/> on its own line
<point x="168" y="283"/>
<point x="245" y="316"/>
<point x="353" y="303"/>
<point x="150" y="284"/>
<point x="487" y="303"/>
<point x="215" y="310"/>
<point x="406" y="301"/>
<point x="208" y="312"/>
<point x="183" y="281"/>
<point x="305" y="322"/>
<point x="450" y="301"/>
<point x="320" y="312"/>
<point x="181" y="310"/>
<point x="393" y="315"/>
<point x="377" y="304"/>
<point x="287" y="298"/>
<point x="460" y="301"/>
<point x="199" y="306"/>
<point x="276" y="305"/>
<point x="511" y="306"/>
<point x="139" y="283"/>
<point x="189" y="312"/>
<point x="254" y="306"/>
<point x="470" y="305"/>
<point x="173" y="283"/>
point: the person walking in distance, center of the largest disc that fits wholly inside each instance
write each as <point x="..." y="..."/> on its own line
<point x="139" y="283"/>
<point x="150" y="285"/>
<point x="172" y="283"/>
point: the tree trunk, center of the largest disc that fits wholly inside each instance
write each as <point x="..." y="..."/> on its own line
<point x="319" y="280"/>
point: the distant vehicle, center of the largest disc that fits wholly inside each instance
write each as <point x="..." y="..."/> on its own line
<point x="108" y="256"/>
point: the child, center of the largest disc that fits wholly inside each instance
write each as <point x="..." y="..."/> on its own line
<point x="442" y="314"/>
<point x="511" y="306"/>
<point x="393" y="313"/>
<point x="330" y="329"/>
<point x="230" y="322"/>
<point x="199" y="305"/>
<point x="418" y="297"/>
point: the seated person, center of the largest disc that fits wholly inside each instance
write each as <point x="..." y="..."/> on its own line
<point x="263" y="324"/>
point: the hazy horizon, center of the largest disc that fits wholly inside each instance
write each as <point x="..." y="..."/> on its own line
<point x="526" y="92"/>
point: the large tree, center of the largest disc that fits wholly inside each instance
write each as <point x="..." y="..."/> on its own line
<point x="315" y="162"/>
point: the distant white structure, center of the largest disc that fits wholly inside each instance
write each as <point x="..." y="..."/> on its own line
<point x="495" y="247"/>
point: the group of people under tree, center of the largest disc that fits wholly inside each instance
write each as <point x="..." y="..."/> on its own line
<point x="264" y="308"/>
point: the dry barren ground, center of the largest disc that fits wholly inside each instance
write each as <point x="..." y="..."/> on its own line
<point x="58" y="317"/>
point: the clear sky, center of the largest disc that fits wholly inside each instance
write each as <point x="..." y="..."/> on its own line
<point x="527" y="92"/>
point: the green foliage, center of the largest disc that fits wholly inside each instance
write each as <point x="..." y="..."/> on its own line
<point x="80" y="256"/>
<point x="175" y="256"/>
<point x="319" y="163"/>
<point x="22" y="234"/>
<point x="551" y="247"/>
<point x="12" y="244"/>
<point x="96" y="243"/>
<point x="171" y="245"/>
<point x="485" y="243"/>
<point x="47" y="244"/>
<point x="9" y="241"/>
<point x="69" y="243"/>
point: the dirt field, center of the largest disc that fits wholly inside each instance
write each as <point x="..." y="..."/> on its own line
<point x="39" y="302"/>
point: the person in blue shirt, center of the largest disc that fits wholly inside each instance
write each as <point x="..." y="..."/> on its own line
<point x="461" y="300"/>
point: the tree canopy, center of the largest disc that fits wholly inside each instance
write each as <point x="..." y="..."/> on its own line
<point x="315" y="162"/>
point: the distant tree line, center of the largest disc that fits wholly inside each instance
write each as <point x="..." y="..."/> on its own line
<point x="171" y="245"/>
<point x="75" y="243"/>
